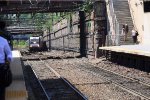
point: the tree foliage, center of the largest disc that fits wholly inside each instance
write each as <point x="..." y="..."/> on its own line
<point x="87" y="6"/>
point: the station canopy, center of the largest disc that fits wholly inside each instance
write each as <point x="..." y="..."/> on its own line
<point x="37" y="6"/>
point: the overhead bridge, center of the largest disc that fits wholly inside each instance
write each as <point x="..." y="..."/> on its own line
<point x="38" y="6"/>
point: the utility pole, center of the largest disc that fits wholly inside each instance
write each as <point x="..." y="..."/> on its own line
<point x="83" y="50"/>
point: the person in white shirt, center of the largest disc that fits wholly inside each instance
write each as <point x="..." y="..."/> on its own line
<point x="134" y="34"/>
<point x="4" y="50"/>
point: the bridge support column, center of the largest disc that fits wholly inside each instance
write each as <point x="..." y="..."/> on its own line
<point x="100" y="21"/>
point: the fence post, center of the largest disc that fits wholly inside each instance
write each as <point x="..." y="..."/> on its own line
<point x="49" y="36"/>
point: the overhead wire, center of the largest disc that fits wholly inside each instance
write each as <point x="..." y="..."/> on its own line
<point x="21" y="2"/>
<point x="32" y="3"/>
<point x="42" y="8"/>
<point x="49" y="1"/>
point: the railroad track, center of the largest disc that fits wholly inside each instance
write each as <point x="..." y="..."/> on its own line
<point x="130" y="85"/>
<point x="131" y="78"/>
<point x="55" y="87"/>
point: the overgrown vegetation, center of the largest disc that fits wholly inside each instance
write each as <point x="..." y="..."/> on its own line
<point x="87" y="6"/>
<point x="20" y="43"/>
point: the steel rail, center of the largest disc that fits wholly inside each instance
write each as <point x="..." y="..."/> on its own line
<point x="46" y="94"/>
<point x="137" y="80"/>
<point x="68" y="83"/>
<point x="109" y="80"/>
<point x="121" y="86"/>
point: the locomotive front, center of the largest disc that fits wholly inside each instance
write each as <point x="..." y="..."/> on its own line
<point x="34" y="43"/>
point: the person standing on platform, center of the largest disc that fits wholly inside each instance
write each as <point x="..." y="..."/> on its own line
<point x="5" y="34"/>
<point x="126" y="32"/>
<point x="134" y="35"/>
<point x="123" y="30"/>
<point x="4" y="50"/>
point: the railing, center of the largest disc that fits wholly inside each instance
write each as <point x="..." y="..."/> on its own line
<point x="113" y="37"/>
<point x="132" y="14"/>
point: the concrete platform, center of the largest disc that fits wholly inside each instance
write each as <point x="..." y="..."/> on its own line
<point x="135" y="56"/>
<point x="17" y="90"/>
<point x="143" y="50"/>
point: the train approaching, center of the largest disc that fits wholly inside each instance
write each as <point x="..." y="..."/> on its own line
<point x="36" y="43"/>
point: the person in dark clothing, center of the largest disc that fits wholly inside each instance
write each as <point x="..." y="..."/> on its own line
<point x="2" y="93"/>
<point x="123" y="30"/>
<point x="5" y="34"/>
<point x="126" y="32"/>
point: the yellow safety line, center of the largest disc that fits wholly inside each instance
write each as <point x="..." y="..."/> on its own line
<point x="16" y="94"/>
